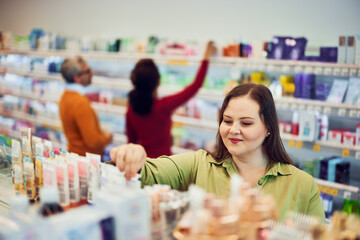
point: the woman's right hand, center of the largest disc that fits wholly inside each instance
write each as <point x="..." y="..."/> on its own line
<point x="210" y="50"/>
<point x="129" y="158"/>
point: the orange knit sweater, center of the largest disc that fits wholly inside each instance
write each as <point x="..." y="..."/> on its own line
<point x="81" y="125"/>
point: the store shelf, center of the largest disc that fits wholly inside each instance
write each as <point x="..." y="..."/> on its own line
<point x="197" y="123"/>
<point x="29" y="95"/>
<point x="120" y="84"/>
<point x="343" y="110"/>
<point x="284" y="103"/>
<point x="98" y="81"/>
<point x="337" y="189"/>
<point x="16" y="134"/>
<point x="344" y="150"/>
<point x="37" y="120"/>
<point x="245" y="63"/>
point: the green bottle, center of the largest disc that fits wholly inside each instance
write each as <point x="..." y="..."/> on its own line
<point x="347" y="206"/>
<point x="355" y="207"/>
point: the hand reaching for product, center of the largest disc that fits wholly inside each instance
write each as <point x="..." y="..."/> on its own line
<point x="129" y="158"/>
<point x="210" y="50"/>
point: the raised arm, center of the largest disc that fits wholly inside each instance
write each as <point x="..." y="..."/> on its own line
<point x="173" y="101"/>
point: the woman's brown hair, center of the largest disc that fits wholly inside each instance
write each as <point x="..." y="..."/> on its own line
<point x="272" y="147"/>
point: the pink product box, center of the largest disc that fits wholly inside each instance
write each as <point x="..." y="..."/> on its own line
<point x="284" y="127"/>
<point x="335" y="136"/>
<point x="349" y="138"/>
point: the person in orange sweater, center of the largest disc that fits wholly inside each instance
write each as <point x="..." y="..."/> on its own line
<point x="80" y="122"/>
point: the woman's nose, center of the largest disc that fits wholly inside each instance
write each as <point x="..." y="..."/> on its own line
<point x="235" y="129"/>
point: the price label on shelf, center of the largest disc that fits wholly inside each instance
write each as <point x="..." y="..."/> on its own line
<point x="328" y="71"/>
<point x="347" y="194"/>
<point x="286" y="68"/>
<point x="309" y="69"/>
<point x="334" y="192"/>
<point x="341" y="112"/>
<point x="299" y="144"/>
<point x="302" y="107"/>
<point x="316" y="148"/>
<point x="352" y="113"/>
<point x="345" y="72"/>
<point x="352" y="72"/>
<point x="293" y="106"/>
<point x="291" y="143"/>
<point x="261" y="67"/>
<point x="178" y="124"/>
<point x="298" y="69"/>
<point x="320" y="188"/>
<point x="318" y="109"/>
<point x="327" y="110"/>
<point x="326" y="190"/>
<point x="270" y="68"/>
<point x="319" y="70"/>
<point x="345" y="153"/>
<point x="177" y="62"/>
<point x="336" y="72"/>
<point x="310" y="107"/>
<point x="285" y="105"/>
<point x="357" y="155"/>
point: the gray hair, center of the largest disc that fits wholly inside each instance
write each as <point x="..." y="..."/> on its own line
<point x="71" y="67"/>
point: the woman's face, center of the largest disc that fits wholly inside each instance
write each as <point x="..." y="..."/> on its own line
<point x="242" y="129"/>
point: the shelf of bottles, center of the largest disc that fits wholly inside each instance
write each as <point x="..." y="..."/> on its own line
<point x="284" y="103"/>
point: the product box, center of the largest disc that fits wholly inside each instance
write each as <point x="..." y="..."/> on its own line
<point x="350" y="50"/>
<point x="323" y="172"/>
<point x="337" y="91"/>
<point x="322" y="91"/>
<point x="328" y="54"/>
<point x="353" y="93"/>
<point x="349" y="138"/>
<point x="332" y="168"/>
<point x="298" y="80"/>
<point x="308" y="86"/>
<point x="308" y="125"/>
<point x="342" y="174"/>
<point x="341" y="58"/>
<point x="335" y="136"/>
<point x="357" y="49"/>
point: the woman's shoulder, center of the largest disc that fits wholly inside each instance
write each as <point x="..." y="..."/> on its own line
<point x="298" y="173"/>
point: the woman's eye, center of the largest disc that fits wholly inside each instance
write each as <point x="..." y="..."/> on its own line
<point x="247" y="123"/>
<point x="227" y="122"/>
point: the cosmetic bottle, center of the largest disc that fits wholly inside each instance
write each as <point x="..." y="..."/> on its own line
<point x="295" y="123"/>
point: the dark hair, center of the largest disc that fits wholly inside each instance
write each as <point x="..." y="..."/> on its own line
<point x="145" y="77"/>
<point x="272" y="146"/>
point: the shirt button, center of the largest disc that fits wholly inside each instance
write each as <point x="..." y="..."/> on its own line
<point x="260" y="182"/>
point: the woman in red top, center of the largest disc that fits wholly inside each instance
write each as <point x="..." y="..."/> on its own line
<point x="148" y="118"/>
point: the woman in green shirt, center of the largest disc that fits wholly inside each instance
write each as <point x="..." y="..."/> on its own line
<point x="248" y="143"/>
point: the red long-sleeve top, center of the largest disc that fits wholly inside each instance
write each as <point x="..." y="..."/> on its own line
<point x="153" y="131"/>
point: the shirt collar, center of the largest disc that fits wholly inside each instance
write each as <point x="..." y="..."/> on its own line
<point x="76" y="88"/>
<point x="279" y="169"/>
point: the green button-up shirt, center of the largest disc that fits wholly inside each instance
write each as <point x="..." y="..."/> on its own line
<point x="292" y="188"/>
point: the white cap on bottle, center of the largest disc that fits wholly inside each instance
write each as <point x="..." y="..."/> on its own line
<point x="19" y="203"/>
<point x="49" y="195"/>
